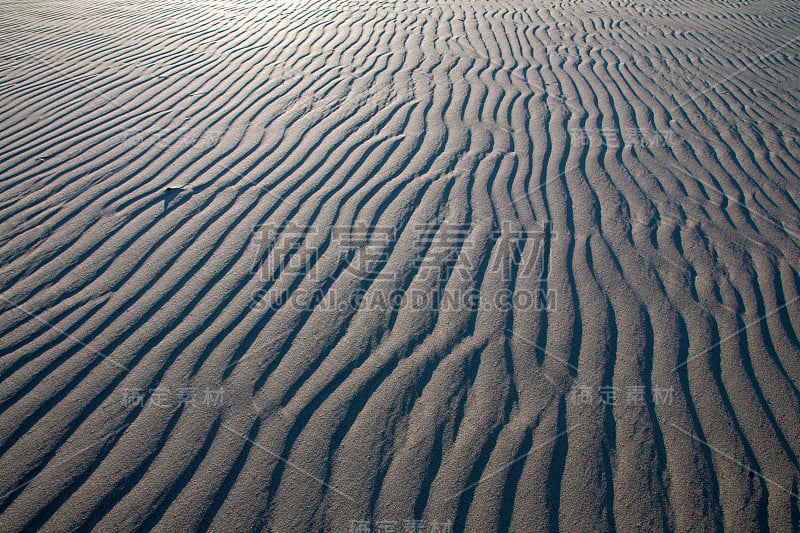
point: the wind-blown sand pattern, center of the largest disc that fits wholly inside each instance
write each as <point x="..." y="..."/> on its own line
<point x="182" y="343"/>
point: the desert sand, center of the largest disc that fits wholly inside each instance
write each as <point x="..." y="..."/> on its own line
<point x="424" y="265"/>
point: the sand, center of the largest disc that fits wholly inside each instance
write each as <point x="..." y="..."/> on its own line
<point x="439" y="265"/>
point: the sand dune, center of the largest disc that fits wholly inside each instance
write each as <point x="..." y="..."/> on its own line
<point x="399" y="266"/>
